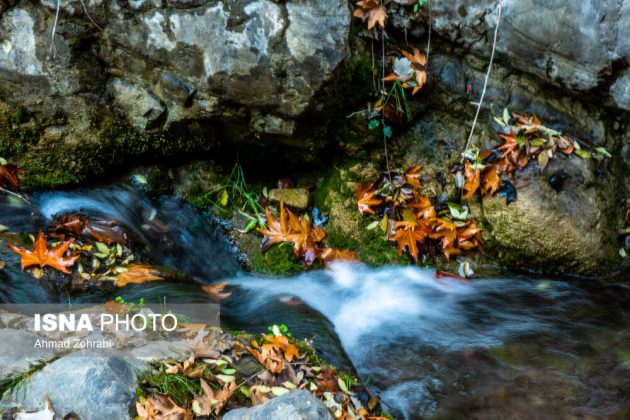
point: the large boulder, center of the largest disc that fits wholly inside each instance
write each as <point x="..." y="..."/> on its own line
<point x="296" y="405"/>
<point x="86" y="386"/>
<point x="577" y="45"/>
<point x="201" y="72"/>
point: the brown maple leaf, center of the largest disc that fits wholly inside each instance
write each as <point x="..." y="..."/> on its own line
<point x="491" y="180"/>
<point x="211" y="402"/>
<point x="408" y="235"/>
<point x="473" y="178"/>
<point x="422" y="207"/>
<point x="412" y="176"/>
<point x="418" y="61"/>
<point x="9" y="175"/>
<point x="281" y="343"/>
<point x="138" y="273"/>
<point x="366" y="197"/>
<point x="445" y="231"/>
<point x="292" y="229"/>
<point x="161" y="407"/>
<point x="41" y="257"/>
<point x="216" y="290"/>
<point x="372" y="11"/>
<point x="329" y="255"/>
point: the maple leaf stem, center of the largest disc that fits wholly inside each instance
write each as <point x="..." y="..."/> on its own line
<point x="429" y="35"/>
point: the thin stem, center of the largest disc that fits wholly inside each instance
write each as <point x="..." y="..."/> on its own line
<point x="485" y="83"/>
<point x="16" y="195"/>
<point x="389" y="174"/>
<point x="53" y="50"/>
<point x="429" y="38"/>
<point x="88" y="15"/>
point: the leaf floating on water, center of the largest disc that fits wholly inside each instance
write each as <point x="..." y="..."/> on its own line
<point x="139" y="273"/>
<point x="216" y="290"/>
<point x="41" y="257"/>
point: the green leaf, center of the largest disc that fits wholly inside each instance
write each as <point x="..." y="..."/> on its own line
<point x="224" y="198"/>
<point x="373" y="225"/>
<point x="602" y="152"/>
<point x="583" y="153"/>
<point x="228" y="371"/>
<point x="506" y="116"/>
<point x="225" y="378"/>
<point x="342" y="386"/>
<point x="373" y="124"/>
<point x="102" y="248"/>
<point x="384" y="223"/>
<point x="249" y="226"/>
<point x="458" y="212"/>
<point x="387" y="130"/>
<point x="409" y="216"/>
<point x="278" y="391"/>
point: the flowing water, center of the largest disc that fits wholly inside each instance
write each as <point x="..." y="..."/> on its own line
<point x="504" y="347"/>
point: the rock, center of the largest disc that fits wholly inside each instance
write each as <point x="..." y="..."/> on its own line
<point x="87" y="386"/>
<point x="569" y="44"/>
<point x="296" y="405"/>
<point x="19" y="356"/>
<point x="565" y="231"/>
<point x="620" y="91"/>
<point x="141" y="106"/>
<point x="293" y="197"/>
<point x="152" y="65"/>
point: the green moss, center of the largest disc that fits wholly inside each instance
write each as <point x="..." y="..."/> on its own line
<point x="277" y="261"/>
<point x="370" y="245"/>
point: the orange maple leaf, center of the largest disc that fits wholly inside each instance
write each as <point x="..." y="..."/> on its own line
<point x="408" y="235"/>
<point x="472" y="177"/>
<point x="491" y="179"/>
<point x="139" y="273"/>
<point x="365" y="197"/>
<point x="41" y="257"/>
<point x="216" y="290"/>
<point x="329" y="255"/>
<point x="292" y="229"/>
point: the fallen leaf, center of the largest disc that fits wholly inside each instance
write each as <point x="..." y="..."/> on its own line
<point x="138" y="273"/>
<point x="473" y="178"/>
<point x="41" y="257"/>
<point x="216" y="290"/>
<point x="9" y="175"/>
<point x="366" y="197"/>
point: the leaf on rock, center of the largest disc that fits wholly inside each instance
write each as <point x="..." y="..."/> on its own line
<point x="408" y="235"/>
<point x="366" y="197"/>
<point x="473" y="178"/>
<point x="491" y="181"/>
<point x="41" y="257"/>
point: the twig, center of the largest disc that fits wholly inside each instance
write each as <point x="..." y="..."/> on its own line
<point x="429" y="38"/>
<point x="16" y="195"/>
<point x="53" y="50"/>
<point x="88" y="15"/>
<point x="389" y="174"/>
<point x="485" y="83"/>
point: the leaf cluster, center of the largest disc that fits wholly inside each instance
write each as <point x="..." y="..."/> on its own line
<point x="524" y="139"/>
<point x="413" y="221"/>
<point x="305" y="237"/>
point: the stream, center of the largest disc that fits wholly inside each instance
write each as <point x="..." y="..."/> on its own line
<point x="508" y="346"/>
